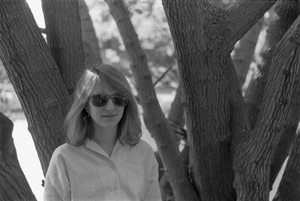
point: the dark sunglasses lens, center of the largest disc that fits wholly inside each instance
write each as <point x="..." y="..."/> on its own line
<point x="99" y="100"/>
<point x="120" y="100"/>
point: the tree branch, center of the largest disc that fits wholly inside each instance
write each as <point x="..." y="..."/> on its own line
<point x="245" y="14"/>
<point x="286" y="12"/>
<point x="35" y="77"/>
<point x="280" y="110"/>
<point x="290" y="183"/>
<point x="163" y="75"/>
<point x="64" y="38"/>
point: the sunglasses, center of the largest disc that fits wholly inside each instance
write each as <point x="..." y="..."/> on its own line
<point x="101" y="100"/>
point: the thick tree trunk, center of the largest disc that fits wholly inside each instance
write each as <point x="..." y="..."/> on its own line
<point x="35" y="77"/>
<point x="289" y="188"/>
<point x="280" y="111"/>
<point x="208" y="131"/>
<point x="89" y="39"/>
<point x="203" y="45"/>
<point x="286" y="12"/>
<point x="154" y="118"/>
<point x="64" y="38"/>
<point x="13" y="183"/>
<point x="244" y="51"/>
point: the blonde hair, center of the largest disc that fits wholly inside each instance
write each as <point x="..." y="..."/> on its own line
<point x="129" y="128"/>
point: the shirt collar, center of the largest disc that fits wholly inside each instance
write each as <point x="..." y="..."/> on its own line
<point x="91" y="144"/>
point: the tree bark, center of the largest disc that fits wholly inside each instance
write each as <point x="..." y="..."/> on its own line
<point x="286" y="11"/>
<point x="199" y="33"/>
<point x="244" y="52"/>
<point x="280" y="111"/>
<point x="89" y="39"/>
<point x="35" y="77"/>
<point x="13" y="183"/>
<point x="205" y="139"/>
<point x="154" y="118"/>
<point x="64" y="38"/>
<point x="289" y="188"/>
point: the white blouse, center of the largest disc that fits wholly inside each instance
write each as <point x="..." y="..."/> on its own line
<point x="86" y="172"/>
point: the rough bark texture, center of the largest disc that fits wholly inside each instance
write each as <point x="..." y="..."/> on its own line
<point x="35" y="77"/>
<point x="89" y="39"/>
<point x="286" y="11"/>
<point x="244" y="52"/>
<point x="240" y="126"/>
<point x="289" y="187"/>
<point x="208" y="131"/>
<point x="280" y="111"/>
<point x="13" y="184"/>
<point x="64" y="38"/>
<point x="153" y="115"/>
<point x="203" y="44"/>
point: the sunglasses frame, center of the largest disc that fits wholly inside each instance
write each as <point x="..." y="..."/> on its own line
<point x="107" y="97"/>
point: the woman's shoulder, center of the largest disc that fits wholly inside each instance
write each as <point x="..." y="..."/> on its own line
<point x="143" y="145"/>
<point x="63" y="150"/>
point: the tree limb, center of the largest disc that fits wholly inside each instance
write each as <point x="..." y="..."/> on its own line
<point x="64" y="38"/>
<point x="35" y="77"/>
<point x="286" y="12"/>
<point x="280" y="110"/>
<point x="290" y="183"/>
<point x="243" y="15"/>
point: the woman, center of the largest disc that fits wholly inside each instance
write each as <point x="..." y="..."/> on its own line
<point x="104" y="158"/>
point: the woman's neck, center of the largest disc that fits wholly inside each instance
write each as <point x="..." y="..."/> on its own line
<point x="106" y="138"/>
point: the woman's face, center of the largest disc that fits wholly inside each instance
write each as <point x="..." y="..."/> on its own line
<point x="109" y="115"/>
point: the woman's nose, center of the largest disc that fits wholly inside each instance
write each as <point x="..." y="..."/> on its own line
<point x="110" y="105"/>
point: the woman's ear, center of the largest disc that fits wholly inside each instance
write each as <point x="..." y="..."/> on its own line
<point x="86" y="108"/>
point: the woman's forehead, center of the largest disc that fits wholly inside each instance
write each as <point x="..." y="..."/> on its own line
<point x="102" y="87"/>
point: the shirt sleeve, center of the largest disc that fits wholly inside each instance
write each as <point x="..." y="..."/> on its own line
<point x="57" y="187"/>
<point x="153" y="190"/>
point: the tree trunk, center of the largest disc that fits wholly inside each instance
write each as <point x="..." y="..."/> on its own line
<point x="154" y="118"/>
<point x="206" y="135"/>
<point x="13" y="183"/>
<point x="35" y="77"/>
<point x="89" y="39"/>
<point x="244" y="51"/>
<point x="280" y="111"/>
<point x="64" y="38"/>
<point x="286" y="11"/>
<point x="289" y="187"/>
<point x="203" y="45"/>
